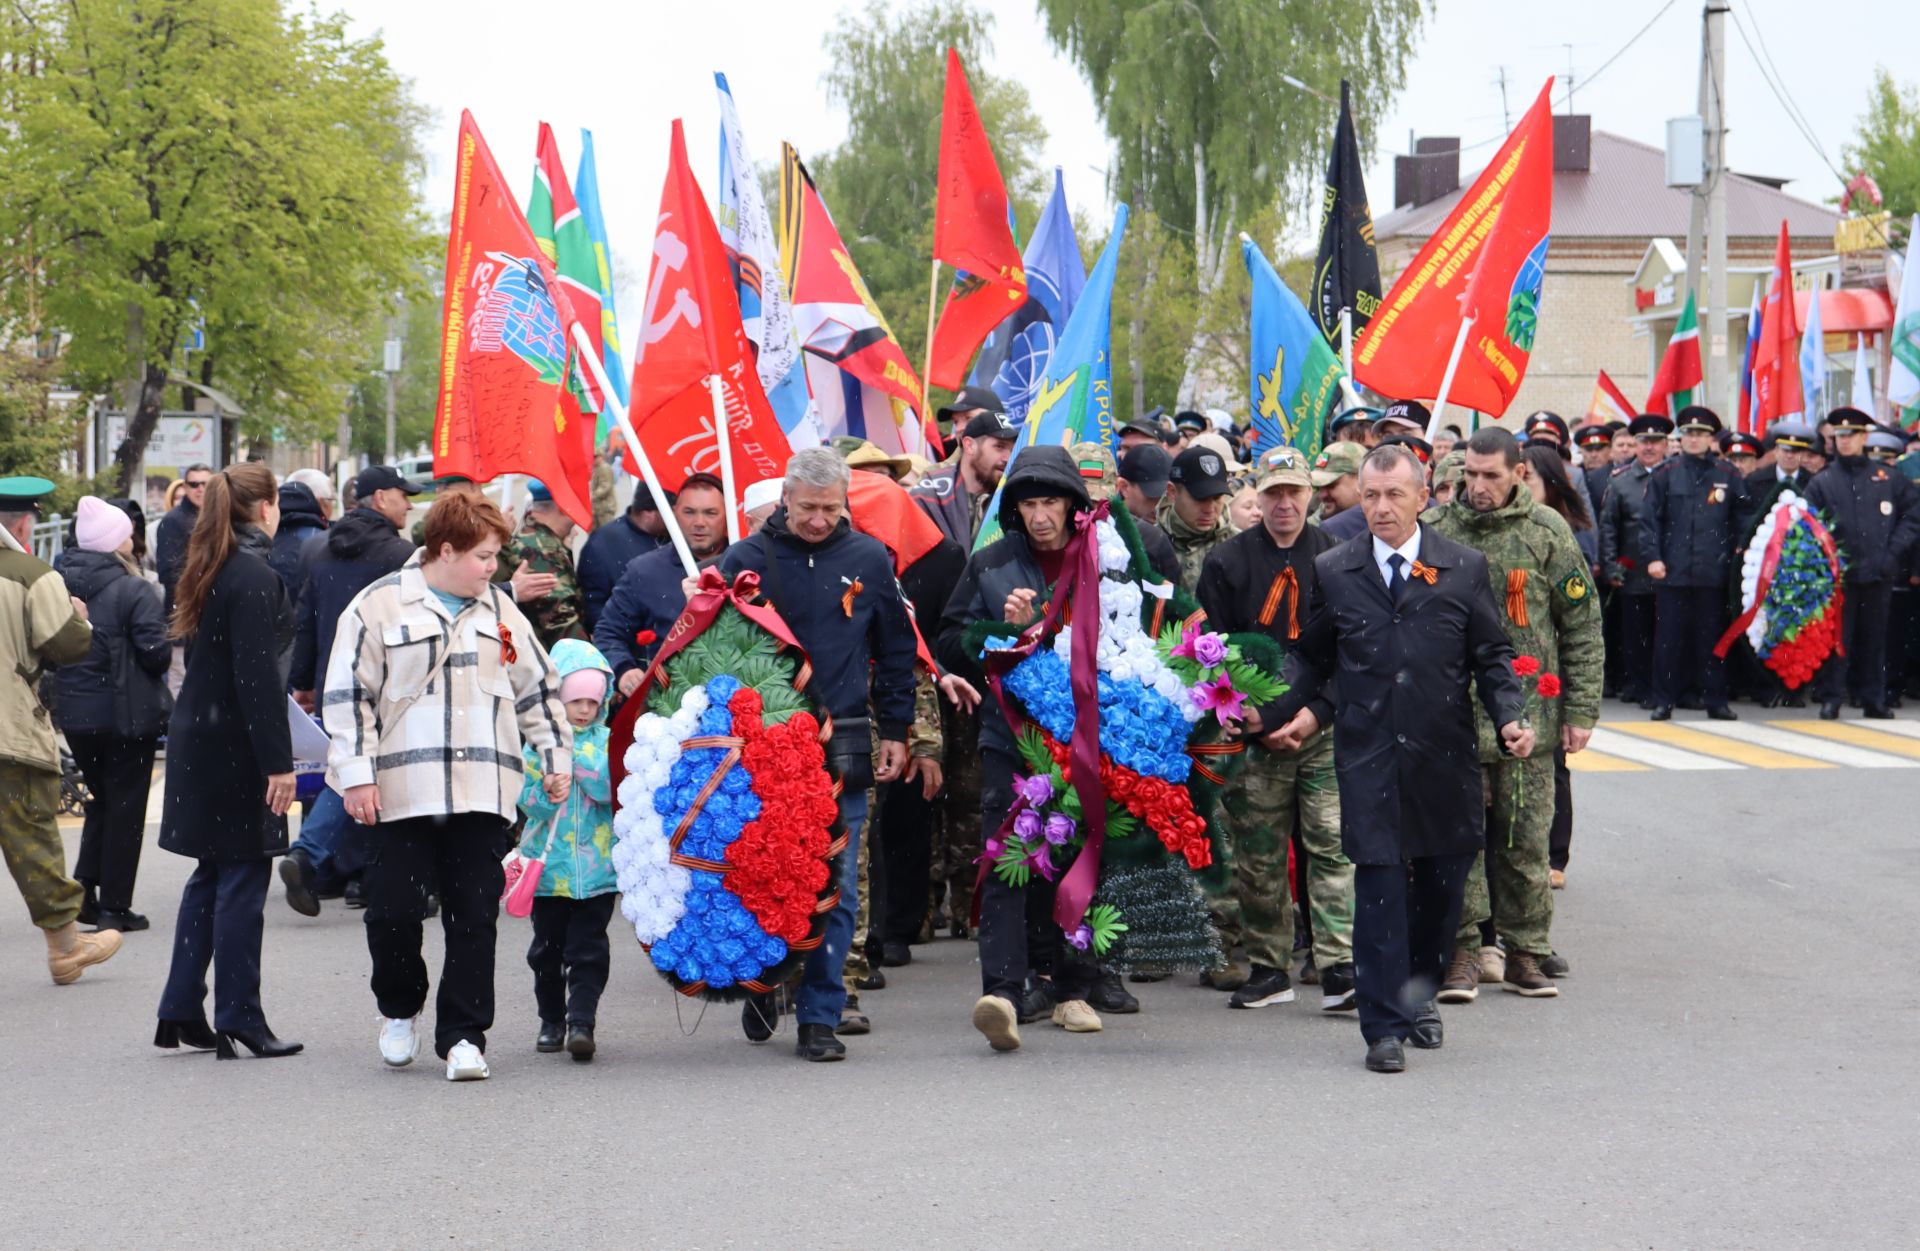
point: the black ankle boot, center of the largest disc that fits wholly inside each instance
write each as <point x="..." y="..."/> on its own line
<point x="817" y="1043"/>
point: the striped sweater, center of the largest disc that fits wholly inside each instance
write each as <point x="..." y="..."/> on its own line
<point x="437" y="709"/>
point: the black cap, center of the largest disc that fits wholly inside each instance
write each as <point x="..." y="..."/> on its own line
<point x="1544" y="422"/>
<point x="1740" y="443"/>
<point x="1593" y="434"/>
<point x="1850" y="419"/>
<point x="1141" y="425"/>
<point x="1650" y="424"/>
<point x="381" y="478"/>
<point x="1147" y="466"/>
<point x="1201" y="473"/>
<point x="1697" y="417"/>
<point x="992" y="424"/>
<point x="1413" y="443"/>
<point x="1615" y="426"/>
<point x="970" y="398"/>
<point x="1412" y="412"/>
<point x="1187" y="419"/>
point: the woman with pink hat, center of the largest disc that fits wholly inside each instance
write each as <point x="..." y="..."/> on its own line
<point x="113" y="708"/>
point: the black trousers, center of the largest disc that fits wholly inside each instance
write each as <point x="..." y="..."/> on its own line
<point x="119" y="772"/>
<point x="570" y="956"/>
<point x="1863" y="631"/>
<point x="1007" y="952"/>
<point x="1903" y="656"/>
<point x="1404" y="919"/>
<point x="1689" y="622"/>
<point x="1615" y="666"/>
<point x="1560" y="838"/>
<point x="458" y="858"/>
<point x="905" y="831"/>
<point x="222" y="919"/>
<point x="1636" y="645"/>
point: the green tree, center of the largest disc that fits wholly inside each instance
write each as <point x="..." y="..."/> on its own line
<point x="888" y="71"/>
<point x="216" y="160"/>
<point x="1151" y="330"/>
<point x="35" y="432"/>
<point x="1206" y="129"/>
<point x="1887" y="145"/>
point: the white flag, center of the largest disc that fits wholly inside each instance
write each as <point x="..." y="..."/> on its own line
<point x="1862" y="380"/>
<point x="1903" y="380"/>
<point x="1813" y="358"/>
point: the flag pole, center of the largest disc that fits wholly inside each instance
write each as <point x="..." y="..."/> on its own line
<point x="926" y="379"/>
<point x="1446" y="381"/>
<point x="723" y="438"/>
<point x="635" y="450"/>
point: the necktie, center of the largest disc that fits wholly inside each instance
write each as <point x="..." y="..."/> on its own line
<point x="1397" y="581"/>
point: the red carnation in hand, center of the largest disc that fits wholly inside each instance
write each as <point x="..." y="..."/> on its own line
<point x="646" y="638"/>
<point x="1549" y="686"/>
<point x="1527" y="666"/>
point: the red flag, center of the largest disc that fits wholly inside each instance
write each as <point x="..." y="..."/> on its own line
<point x="1608" y="404"/>
<point x="692" y="331"/>
<point x="1487" y="261"/>
<point x="507" y="346"/>
<point x="1776" y="363"/>
<point x="562" y="235"/>
<point x="970" y="233"/>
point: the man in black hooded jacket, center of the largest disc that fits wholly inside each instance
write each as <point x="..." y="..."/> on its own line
<point x="1008" y="580"/>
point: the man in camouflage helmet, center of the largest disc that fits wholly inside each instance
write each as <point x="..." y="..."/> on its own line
<point x="1194" y="511"/>
<point x="547" y="588"/>
<point x="1551" y="612"/>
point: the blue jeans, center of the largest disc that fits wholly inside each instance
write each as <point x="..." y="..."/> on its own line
<point x="333" y="843"/>
<point x="822" y="994"/>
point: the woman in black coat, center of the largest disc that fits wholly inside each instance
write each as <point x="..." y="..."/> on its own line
<point x="229" y="764"/>
<point x="113" y="707"/>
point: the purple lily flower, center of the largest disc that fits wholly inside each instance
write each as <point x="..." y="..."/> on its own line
<point x="1036" y="790"/>
<point x="1081" y="938"/>
<point x="1041" y="861"/>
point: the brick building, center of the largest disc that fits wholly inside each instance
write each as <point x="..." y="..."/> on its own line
<point x="1613" y="228"/>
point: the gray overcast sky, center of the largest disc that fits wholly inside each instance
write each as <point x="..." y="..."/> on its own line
<point x="626" y="70"/>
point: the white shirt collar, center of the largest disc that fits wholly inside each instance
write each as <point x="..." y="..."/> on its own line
<point x="1410" y="549"/>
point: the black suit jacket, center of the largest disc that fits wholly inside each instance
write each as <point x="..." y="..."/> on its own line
<point x="1403" y="736"/>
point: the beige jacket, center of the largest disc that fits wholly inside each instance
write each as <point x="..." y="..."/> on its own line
<point x="38" y="628"/>
<point x="429" y="707"/>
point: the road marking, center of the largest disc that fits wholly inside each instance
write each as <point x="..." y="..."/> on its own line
<point x="1765" y="736"/>
<point x="1591" y="761"/>
<point x="1726" y="748"/>
<point x="1906" y="729"/>
<point x="1656" y="755"/>
<point x="1857" y="735"/>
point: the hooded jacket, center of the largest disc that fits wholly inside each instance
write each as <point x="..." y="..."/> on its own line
<point x="360" y="549"/>
<point x="300" y="520"/>
<point x="843" y="604"/>
<point x="125" y="613"/>
<point x="574" y="838"/>
<point x="1004" y="566"/>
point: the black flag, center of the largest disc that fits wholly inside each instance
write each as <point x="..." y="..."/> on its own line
<point x="1347" y="272"/>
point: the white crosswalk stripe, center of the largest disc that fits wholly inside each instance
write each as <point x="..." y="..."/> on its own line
<point x="1805" y="745"/>
<point x="1656" y="755"/>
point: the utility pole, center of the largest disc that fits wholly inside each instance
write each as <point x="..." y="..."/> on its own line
<point x="1506" y="118"/>
<point x="1697" y="198"/>
<point x="1715" y="368"/>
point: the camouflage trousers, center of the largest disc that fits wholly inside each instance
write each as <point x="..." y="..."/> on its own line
<point x="1519" y="831"/>
<point x="1276" y="793"/>
<point x="956" y="824"/>
<point x="30" y="842"/>
<point x="857" y="967"/>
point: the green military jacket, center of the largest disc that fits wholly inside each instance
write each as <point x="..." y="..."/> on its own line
<point x="38" y="629"/>
<point x="556" y="615"/>
<point x="1544" y="593"/>
<point x="1190" y="545"/>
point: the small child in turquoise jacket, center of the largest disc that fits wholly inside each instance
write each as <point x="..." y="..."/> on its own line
<point x="570" y="955"/>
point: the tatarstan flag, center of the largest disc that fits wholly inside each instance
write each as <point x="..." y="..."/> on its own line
<point x="507" y="345"/>
<point x="1486" y="261"/>
<point x="561" y="231"/>
<point x="970" y="233"/>
<point x="1679" y="371"/>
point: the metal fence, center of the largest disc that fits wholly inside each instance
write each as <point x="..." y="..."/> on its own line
<point x="50" y="538"/>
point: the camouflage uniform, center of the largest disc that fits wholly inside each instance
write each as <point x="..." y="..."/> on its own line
<point x="956" y="827"/>
<point x="1535" y="567"/>
<point x="1260" y="811"/>
<point x="600" y="493"/>
<point x="555" y="615"/>
<point x="923" y="740"/>
<point x="1191" y="545"/>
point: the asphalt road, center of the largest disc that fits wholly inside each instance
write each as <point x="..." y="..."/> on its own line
<point x="1732" y="1064"/>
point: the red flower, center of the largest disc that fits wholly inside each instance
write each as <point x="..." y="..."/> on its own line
<point x="777" y="865"/>
<point x="1549" y="686"/>
<point x="646" y="638"/>
<point x="1526" y="666"/>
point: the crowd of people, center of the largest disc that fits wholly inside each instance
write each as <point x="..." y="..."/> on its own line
<point x="1452" y="613"/>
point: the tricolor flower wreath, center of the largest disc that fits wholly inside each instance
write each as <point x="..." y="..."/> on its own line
<point x="1790" y="592"/>
<point x="725" y="818"/>
<point x="1166" y="689"/>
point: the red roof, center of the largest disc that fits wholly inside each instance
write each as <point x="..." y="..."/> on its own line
<point x="1623" y="195"/>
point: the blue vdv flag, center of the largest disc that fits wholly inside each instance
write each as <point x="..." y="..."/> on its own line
<point x="586" y="191"/>
<point x="1016" y="353"/>
<point x="1073" y="400"/>
<point x="1294" y="375"/>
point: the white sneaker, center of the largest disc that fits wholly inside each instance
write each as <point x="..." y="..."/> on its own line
<point x="399" y="1040"/>
<point x="466" y="1064"/>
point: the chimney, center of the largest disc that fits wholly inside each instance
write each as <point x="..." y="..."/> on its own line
<point x="1572" y="143"/>
<point x="1431" y="172"/>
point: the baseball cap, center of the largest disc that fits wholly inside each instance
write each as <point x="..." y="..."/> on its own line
<point x="992" y="424"/>
<point x="1410" y="413"/>
<point x="1146" y="465"/>
<point x="383" y="478"/>
<point x="1140" y="425"/>
<point x="970" y="398"/>
<point x="1336" y="461"/>
<point x="1216" y="443"/>
<point x="1281" y="466"/>
<point x="1201" y="473"/>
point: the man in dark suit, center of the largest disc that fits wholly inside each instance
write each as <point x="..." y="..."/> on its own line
<point x="1404" y="620"/>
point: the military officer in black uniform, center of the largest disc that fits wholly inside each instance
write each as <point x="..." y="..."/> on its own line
<point x="1695" y="503"/>
<point x="1790" y="441"/>
<point x="1741" y="449"/>
<point x="1874" y="513"/>
<point x="1623" y="557"/>
<point x="1596" y="460"/>
<point x="1546" y="427"/>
